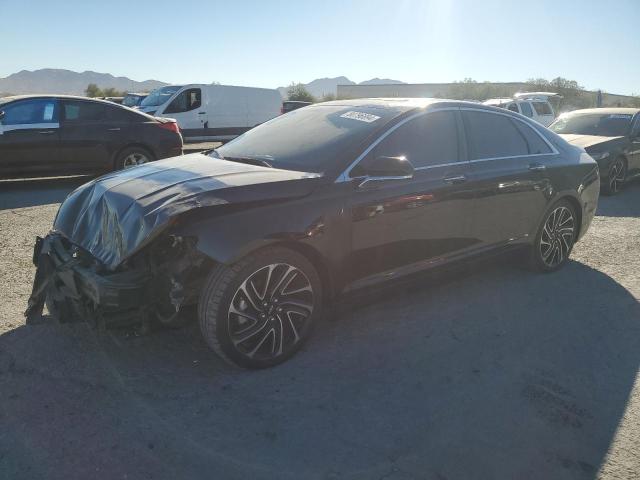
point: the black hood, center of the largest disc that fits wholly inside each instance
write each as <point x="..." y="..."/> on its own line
<point x="588" y="141"/>
<point x="115" y="215"/>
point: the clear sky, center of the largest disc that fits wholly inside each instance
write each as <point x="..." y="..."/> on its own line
<point x="273" y="43"/>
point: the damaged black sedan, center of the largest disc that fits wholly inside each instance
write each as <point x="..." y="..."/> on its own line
<point x="263" y="233"/>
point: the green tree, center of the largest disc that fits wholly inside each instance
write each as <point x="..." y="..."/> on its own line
<point x="298" y="92"/>
<point x="112" y="92"/>
<point x="93" y="90"/>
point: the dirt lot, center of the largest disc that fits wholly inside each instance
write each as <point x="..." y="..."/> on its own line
<point x="494" y="373"/>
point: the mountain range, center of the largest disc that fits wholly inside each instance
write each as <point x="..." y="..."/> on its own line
<point x="52" y="80"/>
<point x="323" y="86"/>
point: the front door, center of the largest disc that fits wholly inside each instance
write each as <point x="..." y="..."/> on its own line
<point x="187" y="109"/>
<point x="401" y="226"/>
<point x="29" y="137"/>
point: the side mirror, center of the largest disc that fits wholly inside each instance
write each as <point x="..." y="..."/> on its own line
<point x="387" y="168"/>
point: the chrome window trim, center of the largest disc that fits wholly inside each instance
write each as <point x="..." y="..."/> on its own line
<point x="28" y="126"/>
<point x="344" y="176"/>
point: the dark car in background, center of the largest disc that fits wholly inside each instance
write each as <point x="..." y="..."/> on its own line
<point x="133" y="99"/>
<point x="291" y="105"/>
<point x="59" y="135"/>
<point x="611" y="136"/>
<point x="262" y="233"/>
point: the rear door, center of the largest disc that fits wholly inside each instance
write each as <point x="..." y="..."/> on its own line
<point x="510" y="179"/>
<point x="29" y="137"/>
<point x="401" y="226"/>
<point x="84" y="136"/>
<point x="187" y="108"/>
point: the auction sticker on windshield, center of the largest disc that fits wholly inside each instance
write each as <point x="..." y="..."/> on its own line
<point x="360" y="116"/>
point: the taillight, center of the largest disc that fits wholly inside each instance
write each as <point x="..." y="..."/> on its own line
<point x="171" y="126"/>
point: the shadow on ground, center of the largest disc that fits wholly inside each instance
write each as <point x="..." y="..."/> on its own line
<point x="498" y="374"/>
<point x="624" y="204"/>
<point x="37" y="191"/>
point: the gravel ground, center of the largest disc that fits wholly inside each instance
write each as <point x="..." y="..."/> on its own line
<point x="494" y="373"/>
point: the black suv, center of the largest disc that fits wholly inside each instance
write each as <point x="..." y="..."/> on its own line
<point x="57" y="135"/>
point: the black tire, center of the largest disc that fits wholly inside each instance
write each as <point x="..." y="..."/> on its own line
<point x="555" y="238"/>
<point x="616" y="176"/>
<point x="125" y="157"/>
<point x="259" y="291"/>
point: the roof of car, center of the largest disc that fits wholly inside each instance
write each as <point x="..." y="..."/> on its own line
<point x="608" y="110"/>
<point x="402" y="105"/>
<point x="73" y="97"/>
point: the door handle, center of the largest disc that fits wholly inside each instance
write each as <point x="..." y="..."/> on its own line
<point x="201" y="113"/>
<point x="455" y="179"/>
<point x="46" y="132"/>
<point x="114" y="129"/>
<point x="537" y="167"/>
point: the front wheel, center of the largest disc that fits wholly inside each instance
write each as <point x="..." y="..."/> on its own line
<point x="258" y="312"/>
<point x="555" y="238"/>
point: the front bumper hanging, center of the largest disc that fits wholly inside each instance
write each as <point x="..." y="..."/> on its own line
<point x="65" y="274"/>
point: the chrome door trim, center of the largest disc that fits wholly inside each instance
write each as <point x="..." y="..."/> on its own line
<point x="344" y="176"/>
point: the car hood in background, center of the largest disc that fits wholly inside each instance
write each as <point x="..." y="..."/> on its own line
<point x="113" y="216"/>
<point x="585" y="141"/>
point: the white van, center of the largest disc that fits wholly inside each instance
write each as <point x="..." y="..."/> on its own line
<point x="213" y="112"/>
<point x="534" y="105"/>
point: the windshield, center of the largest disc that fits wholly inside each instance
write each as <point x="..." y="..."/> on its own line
<point x="131" y="100"/>
<point x="600" y="124"/>
<point x="159" y="96"/>
<point x="309" y="139"/>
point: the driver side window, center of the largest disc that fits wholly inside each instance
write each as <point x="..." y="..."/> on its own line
<point x="428" y="140"/>
<point x="186" y="101"/>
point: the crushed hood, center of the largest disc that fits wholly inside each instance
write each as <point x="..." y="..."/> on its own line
<point x="115" y="215"/>
<point x="585" y="141"/>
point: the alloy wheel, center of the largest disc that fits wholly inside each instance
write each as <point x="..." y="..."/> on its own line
<point x="616" y="176"/>
<point x="558" y="235"/>
<point x="269" y="311"/>
<point x="134" y="159"/>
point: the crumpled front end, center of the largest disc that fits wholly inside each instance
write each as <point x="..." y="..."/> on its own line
<point x="75" y="286"/>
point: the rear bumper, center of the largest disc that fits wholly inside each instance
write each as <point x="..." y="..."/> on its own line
<point x="65" y="274"/>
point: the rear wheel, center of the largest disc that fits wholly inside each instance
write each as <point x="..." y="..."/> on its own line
<point x="131" y="157"/>
<point x="555" y="238"/>
<point x="258" y="312"/>
<point x="615" y="176"/>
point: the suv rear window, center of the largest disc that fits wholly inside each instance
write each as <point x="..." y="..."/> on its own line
<point x="542" y="108"/>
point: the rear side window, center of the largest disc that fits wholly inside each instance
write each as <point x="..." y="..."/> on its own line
<point x="513" y="107"/>
<point x="527" y="111"/>
<point x="187" y="100"/>
<point x="431" y="139"/>
<point x="493" y="136"/>
<point x="537" y="146"/>
<point x="542" y="108"/>
<point x="29" y="112"/>
<point x="79" y="111"/>
<point x="124" y="116"/>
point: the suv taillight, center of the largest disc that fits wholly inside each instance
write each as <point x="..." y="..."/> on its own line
<point x="171" y="126"/>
